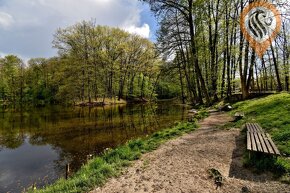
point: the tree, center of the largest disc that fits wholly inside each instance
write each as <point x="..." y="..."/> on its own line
<point x="12" y="78"/>
<point x="207" y="43"/>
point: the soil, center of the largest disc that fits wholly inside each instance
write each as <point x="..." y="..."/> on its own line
<point x="182" y="165"/>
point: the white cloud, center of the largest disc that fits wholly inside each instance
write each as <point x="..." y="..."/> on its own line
<point x="30" y="24"/>
<point x="143" y="31"/>
<point x="6" y="20"/>
<point x="2" y="55"/>
<point x="131" y="24"/>
<point x="23" y="58"/>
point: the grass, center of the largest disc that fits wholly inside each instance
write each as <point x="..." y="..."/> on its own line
<point x="272" y="113"/>
<point x="111" y="163"/>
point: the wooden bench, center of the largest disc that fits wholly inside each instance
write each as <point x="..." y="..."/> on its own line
<point x="259" y="141"/>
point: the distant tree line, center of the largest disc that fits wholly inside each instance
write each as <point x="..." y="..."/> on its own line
<point x="200" y="56"/>
<point x="208" y="55"/>
<point x="94" y="62"/>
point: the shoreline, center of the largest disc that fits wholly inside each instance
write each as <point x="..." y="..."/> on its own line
<point x="113" y="161"/>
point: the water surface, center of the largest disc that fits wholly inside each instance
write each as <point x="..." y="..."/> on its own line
<point x="36" y="144"/>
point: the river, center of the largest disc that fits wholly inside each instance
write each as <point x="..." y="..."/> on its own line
<point x="37" y="144"/>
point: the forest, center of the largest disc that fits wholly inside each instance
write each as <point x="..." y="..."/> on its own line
<point x="94" y="62"/>
<point x="212" y="59"/>
<point x="208" y="117"/>
<point x="200" y="57"/>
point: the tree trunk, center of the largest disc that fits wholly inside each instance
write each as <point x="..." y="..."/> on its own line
<point x="181" y="82"/>
<point x="279" y="84"/>
<point x="194" y="52"/>
<point x="286" y="55"/>
<point x="224" y="74"/>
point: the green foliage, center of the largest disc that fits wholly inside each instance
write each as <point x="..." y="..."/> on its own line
<point x="283" y="164"/>
<point x="95" y="62"/>
<point x="167" y="89"/>
<point x="261" y="162"/>
<point x="105" y="62"/>
<point x="272" y="114"/>
<point x="201" y="114"/>
<point x="11" y="78"/>
<point x="201" y="45"/>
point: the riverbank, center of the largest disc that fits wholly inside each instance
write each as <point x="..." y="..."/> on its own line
<point x="112" y="101"/>
<point x="101" y="102"/>
<point x="113" y="161"/>
<point x="57" y="135"/>
<point x="182" y="164"/>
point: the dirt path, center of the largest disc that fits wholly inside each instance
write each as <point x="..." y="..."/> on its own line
<point x="181" y="165"/>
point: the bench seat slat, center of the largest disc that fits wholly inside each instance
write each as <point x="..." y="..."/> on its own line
<point x="262" y="141"/>
<point x="253" y="128"/>
<point x="259" y="128"/>
<point x="259" y="141"/>
<point x="254" y="147"/>
<point x="250" y="129"/>
<point x="269" y="147"/>
<point x="259" y="147"/>
<point x="273" y="145"/>
<point x="256" y="128"/>
<point x="249" y="144"/>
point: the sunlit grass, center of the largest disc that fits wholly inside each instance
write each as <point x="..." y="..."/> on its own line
<point x="98" y="170"/>
<point x="273" y="114"/>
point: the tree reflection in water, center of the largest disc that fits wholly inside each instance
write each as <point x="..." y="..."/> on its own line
<point x="68" y="135"/>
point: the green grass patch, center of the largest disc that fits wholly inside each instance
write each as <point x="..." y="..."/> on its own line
<point x="272" y="113"/>
<point x="98" y="170"/>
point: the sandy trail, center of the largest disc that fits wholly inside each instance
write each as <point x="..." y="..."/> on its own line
<point x="181" y="165"/>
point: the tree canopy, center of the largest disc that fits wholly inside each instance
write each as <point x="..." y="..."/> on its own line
<point x="200" y="56"/>
<point x="211" y="58"/>
<point x="94" y="62"/>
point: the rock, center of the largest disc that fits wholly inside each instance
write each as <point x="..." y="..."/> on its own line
<point x="217" y="176"/>
<point x="193" y="111"/>
<point x="239" y="116"/>
<point x="245" y="189"/>
<point x="212" y="111"/>
<point x="226" y="107"/>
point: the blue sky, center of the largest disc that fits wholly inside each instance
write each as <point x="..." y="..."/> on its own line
<point x="27" y="26"/>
